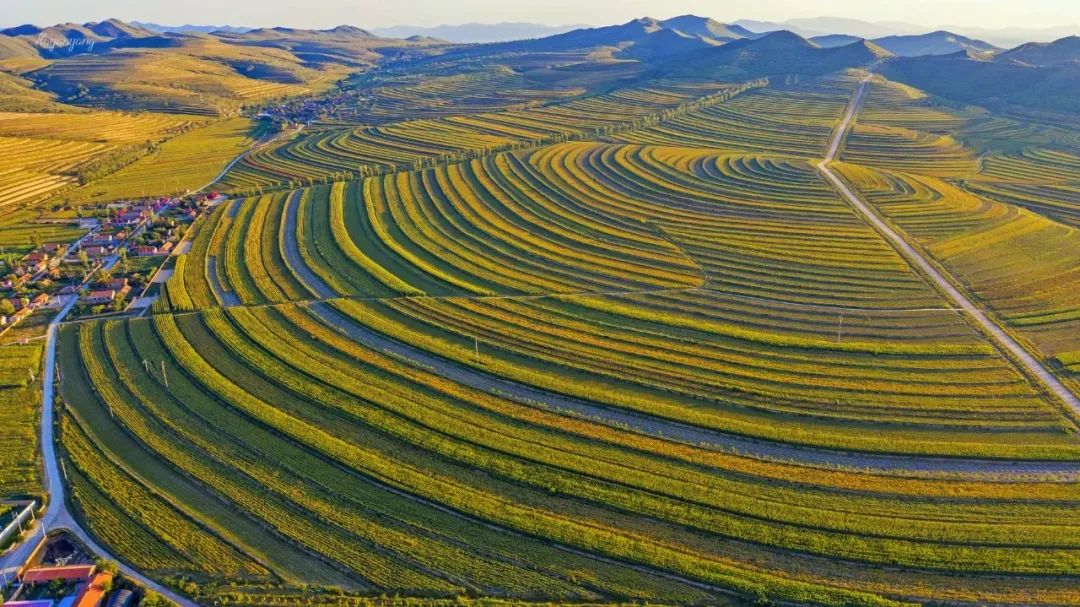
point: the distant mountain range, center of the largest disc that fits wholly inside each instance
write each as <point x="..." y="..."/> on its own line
<point x="476" y="32"/>
<point x="1045" y="76"/>
<point x="945" y="63"/>
<point x="827" y="31"/>
<point x="826" y="26"/>
<point x="642" y="39"/>
<point x="191" y="29"/>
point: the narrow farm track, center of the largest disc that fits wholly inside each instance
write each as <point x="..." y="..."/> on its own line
<point x="945" y="284"/>
<point x="293" y="258"/>
<point x="671" y="430"/>
<point x="227" y="298"/>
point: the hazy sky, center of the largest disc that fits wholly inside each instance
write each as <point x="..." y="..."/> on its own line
<point x="382" y="13"/>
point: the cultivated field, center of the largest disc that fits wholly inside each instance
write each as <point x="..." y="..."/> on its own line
<point x="20" y="398"/>
<point x="43" y="153"/>
<point x="549" y="322"/>
<point x="662" y="361"/>
<point x="186" y="162"/>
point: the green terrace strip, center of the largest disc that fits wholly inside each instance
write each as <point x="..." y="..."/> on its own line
<point x="725" y="381"/>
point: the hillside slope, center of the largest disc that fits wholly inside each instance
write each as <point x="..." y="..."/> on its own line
<point x="933" y="43"/>
<point x="777" y="53"/>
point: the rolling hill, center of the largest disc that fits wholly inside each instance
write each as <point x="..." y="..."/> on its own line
<point x="118" y="65"/>
<point x="705" y="27"/>
<point x="1000" y="82"/>
<point x="832" y="40"/>
<point x="777" y="53"/>
<point x="933" y="43"/>
<point x="1060" y="52"/>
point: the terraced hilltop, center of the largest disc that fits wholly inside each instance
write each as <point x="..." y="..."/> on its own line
<point x="599" y="332"/>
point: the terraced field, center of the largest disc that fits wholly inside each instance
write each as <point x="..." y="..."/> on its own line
<point x="898" y="129"/>
<point x="1003" y="230"/>
<point x="1040" y="178"/>
<point x="412" y="96"/>
<point x="186" y="162"/>
<point x="785" y="120"/>
<point x="1020" y="263"/>
<point x="42" y="153"/>
<point x="627" y="348"/>
<point x="335" y="153"/>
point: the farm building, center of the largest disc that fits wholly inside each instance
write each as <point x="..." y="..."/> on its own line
<point x="69" y="573"/>
<point x="121" y="598"/>
<point x="91" y="594"/>
<point x="101" y="296"/>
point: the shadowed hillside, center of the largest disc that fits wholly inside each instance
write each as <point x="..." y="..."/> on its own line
<point x="777" y="53"/>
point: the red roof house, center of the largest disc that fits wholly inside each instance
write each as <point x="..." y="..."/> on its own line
<point x="68" y="573"/>
<point x="92" y="593"/>
<point x="99" y="297"/>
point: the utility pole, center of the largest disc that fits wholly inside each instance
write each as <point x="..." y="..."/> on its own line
<point x="840" y="326"/>
<point x="476" y="349"/>
<point x="164" y="377"/>
<point x="63" y="469"/>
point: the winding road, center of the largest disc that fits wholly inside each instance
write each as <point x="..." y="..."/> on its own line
<point x="57" y="516"/>
<point x="945" y="284"/>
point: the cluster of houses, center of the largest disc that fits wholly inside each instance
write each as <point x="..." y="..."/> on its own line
<point x="307" y="111"/>
<point x="81" y="586"/>
<point x="36" y="263"/>
<point x="23" y="307"/>
<point x="126" y="226"/>
<point x="127" y="222"/>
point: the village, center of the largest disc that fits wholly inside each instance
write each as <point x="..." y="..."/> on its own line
<point x="61" y="572"/>
<point x="110" y="269"/>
